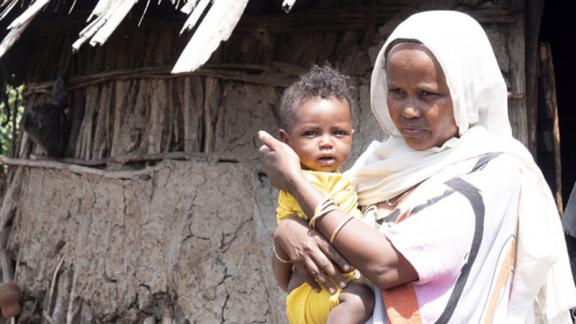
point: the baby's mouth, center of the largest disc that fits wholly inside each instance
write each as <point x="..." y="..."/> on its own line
<point x="326" y="159"/>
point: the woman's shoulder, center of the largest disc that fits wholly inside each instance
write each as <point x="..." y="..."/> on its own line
<point x="491" y="172"/>
<point x="492" y="176"/>
<point x="493" y="165"/>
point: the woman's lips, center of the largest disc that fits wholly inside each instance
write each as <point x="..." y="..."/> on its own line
<point x="413" y="132"/>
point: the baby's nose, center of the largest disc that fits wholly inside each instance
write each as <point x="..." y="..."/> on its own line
<point x="326" y="141"/>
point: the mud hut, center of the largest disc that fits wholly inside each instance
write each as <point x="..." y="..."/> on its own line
<point x="158" y="211"/>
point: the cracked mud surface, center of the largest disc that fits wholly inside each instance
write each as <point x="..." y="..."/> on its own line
<point x="190" y="243"/>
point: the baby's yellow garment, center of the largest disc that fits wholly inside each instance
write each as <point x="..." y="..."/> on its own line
<point x="303" y="304"/>
<point x="332" y="184"/>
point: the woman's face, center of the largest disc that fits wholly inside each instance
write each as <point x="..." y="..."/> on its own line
<point x="418" y="97"/>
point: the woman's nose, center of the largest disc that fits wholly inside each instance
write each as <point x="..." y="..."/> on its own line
<point x="410" y="110"/>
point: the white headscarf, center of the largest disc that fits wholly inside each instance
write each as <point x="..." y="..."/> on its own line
<point x="479" y="97"/>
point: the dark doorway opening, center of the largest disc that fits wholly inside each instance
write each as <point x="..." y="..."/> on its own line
<point x="558" y="29"/>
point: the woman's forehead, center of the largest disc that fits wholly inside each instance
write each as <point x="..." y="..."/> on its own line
<point x="395" y="48"/>
<point x="413" y="58"/>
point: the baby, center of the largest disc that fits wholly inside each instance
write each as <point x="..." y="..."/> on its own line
<point x="316" y="121"/>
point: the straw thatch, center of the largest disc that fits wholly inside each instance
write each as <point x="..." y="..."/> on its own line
<point x="219" y="21"/>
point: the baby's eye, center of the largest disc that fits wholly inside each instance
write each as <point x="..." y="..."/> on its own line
<point x="309" y="133"/>
<point x="340" y="132"/>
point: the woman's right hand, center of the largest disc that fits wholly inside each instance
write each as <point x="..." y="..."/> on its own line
<point x="312" y="255"/>
<point x="281" y="163"/>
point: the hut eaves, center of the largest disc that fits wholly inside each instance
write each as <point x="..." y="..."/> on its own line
<point x="220" y="19"/>
<point x="287" y="4"/>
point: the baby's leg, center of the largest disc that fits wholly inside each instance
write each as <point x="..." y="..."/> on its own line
<point x="356" y="304"/>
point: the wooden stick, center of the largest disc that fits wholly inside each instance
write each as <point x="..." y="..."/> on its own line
<point x="5" y="262"/>
<point x="6" y="214"/>
<point x="221" y="71"/>
<point x="75" y="168"/>
<point x="17" y="267"/>
<point x="122" y="87"/>
<point x="551" y="104"/>
<point x="70" y="311"/>
<point x="53" y="283"/>
<point x="10" y="196"/>
<point x="210" y="92"/>
<point x="63" y="285"/>
<point x="121" y="159"/>
<point x="14" y="126"/>
<point x="46" y="317"/>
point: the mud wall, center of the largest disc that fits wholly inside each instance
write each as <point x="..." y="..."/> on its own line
<point x="182" y="240"/>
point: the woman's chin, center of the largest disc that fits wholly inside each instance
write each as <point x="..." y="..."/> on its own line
<point x="426" y="141"/>
<point x="418" y="145"/>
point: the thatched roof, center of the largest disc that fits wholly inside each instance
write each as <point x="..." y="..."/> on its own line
<point x="213" y="21"/>
<point x="205" y="24"/>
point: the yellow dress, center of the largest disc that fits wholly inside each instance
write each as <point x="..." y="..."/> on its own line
<point x="304" y="305"/>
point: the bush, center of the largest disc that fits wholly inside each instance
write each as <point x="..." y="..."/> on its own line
<point x="14" y="98"/>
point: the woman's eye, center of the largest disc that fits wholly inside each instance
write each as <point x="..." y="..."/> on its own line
<point x="395" y="92"/>
<point x="429" y="94"/>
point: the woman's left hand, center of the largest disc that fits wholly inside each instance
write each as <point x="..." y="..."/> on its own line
<point x="313" y="257"/>
<point x="281" y="163"/>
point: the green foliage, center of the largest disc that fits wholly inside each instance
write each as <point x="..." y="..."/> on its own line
<point x="6" y="120"/>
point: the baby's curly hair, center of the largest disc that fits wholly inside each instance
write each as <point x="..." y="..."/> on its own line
<point x="320" y="81"/>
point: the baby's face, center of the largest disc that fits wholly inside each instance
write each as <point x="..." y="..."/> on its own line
<point x="320" y="133"/>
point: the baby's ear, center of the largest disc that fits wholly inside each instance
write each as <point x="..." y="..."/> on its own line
<point x="283" y="136"/>
<point x="352" y="131"/>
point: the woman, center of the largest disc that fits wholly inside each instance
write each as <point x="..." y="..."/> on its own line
<point x="462" y="226"/>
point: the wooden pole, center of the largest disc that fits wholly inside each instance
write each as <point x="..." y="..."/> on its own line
<point x="534" y="10"/>
<point x="552" y="113"/>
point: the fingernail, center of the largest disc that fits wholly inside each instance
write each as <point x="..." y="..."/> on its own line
<point x="342" y="284"/>
<point x="332" y="291"/>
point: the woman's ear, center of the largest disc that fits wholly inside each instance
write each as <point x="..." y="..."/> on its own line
<point x="283" y="136"/>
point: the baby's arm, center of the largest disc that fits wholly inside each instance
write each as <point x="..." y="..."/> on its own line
<point x="356" y="304"/>
<point x="282" y="268"/>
